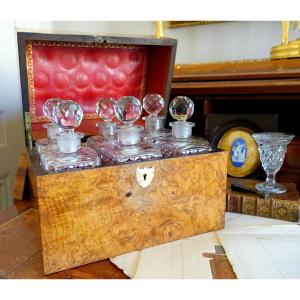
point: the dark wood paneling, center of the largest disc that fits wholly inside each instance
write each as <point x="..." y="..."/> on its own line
<point x="247" y="87"/>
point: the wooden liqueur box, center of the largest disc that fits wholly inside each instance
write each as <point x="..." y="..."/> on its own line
<point x="88" y="215"/>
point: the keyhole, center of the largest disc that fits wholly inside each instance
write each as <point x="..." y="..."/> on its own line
<point x="145" y="176"/>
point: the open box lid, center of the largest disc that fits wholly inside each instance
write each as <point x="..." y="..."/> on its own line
<point x="85" y="68"/>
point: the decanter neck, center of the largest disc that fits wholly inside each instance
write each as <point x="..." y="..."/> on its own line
<point x="129" y="135"/>
<point x="182" y="129"/>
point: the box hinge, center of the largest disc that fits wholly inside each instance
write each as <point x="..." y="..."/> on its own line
<point x="28" y="131"/>
<point x="99" y="39"/>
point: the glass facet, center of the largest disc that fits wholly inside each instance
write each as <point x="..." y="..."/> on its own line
<point x="182" y="129"/>
<point x="69" y="142"/>
<point x="181" y="108"/>
<point x="180" y="141"/>
<point x="172" y="146"/>
<point x="48" y="107"/>
<point x="128" y="146"/>
<point x="129" y="135"/>
<point x="107" y="129"/>
<point x="272" y="148"/>
<point x="154" y="124"/>
<point x="97" y="142"/>
<point x="128" y="109"/>
<point x="52" y="130"/>
<point x="116" y="153"/>
<point x="105" y="108"/>
<point x="153" y="104"/>
<point x="44" y="144"/>
<point x="68" y="114"/>
<point x="55" y="160"/>
<point x="48" y="111"/>
<point x="65" y="151"/>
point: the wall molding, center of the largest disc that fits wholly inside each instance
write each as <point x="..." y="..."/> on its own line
<point x="4" y="191"/>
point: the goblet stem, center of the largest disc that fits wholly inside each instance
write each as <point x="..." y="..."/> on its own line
<point x="270" y="180"/>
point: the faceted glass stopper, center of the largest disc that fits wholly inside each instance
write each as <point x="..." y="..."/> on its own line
<point x="48" y="107"/>
<point x="181" y="108"/>
<point x="105" y="108"/>
<point x="128" y="109"/>
<point x="153" y="104"/>
<point x="68" y="114"/>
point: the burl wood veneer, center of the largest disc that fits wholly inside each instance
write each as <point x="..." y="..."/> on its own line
<point x="21" y="256"/>
<point x="93" y="214"/>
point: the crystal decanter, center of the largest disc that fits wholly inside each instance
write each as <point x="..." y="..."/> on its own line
<point x="52" y="128"/>
<point x="154" y="124"/>
<point x="129" y="146"/>
<point x="105" y="108"/>
<point x="181" y="142"/>
<point x="69" y="154"/>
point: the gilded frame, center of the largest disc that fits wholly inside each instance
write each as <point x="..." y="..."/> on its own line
<point x="176" y="24"/>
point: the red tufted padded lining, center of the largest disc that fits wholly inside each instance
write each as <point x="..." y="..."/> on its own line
<point x="84" y="72"/>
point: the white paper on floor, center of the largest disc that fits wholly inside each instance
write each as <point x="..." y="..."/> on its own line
<point x="256" y="248"/>
<point x="262" y="248"/>
<point x="176" y="260"/>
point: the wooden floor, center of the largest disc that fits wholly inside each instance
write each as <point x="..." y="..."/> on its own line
<point x="20" y="252"/>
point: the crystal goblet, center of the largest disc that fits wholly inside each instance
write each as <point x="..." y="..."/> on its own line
<point x="272" y="148"/>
